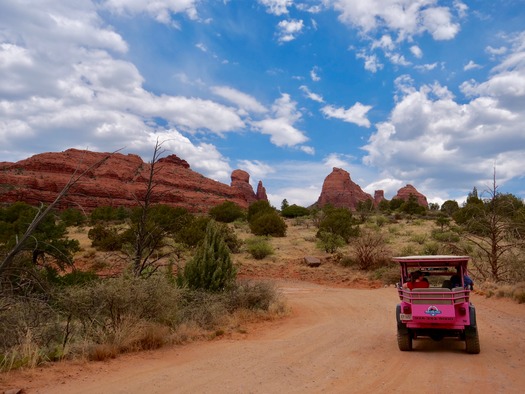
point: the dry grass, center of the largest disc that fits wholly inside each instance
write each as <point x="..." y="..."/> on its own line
<point x="515" y="291"/>
<point x="102" y="352"/>
<point x="300" y="241"/>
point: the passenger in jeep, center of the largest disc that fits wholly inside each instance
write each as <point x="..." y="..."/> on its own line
<point x="417" y="281"/>
<point x="455" y="281"/>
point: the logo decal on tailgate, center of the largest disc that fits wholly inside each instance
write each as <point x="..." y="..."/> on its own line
<point x="433" y="311"/>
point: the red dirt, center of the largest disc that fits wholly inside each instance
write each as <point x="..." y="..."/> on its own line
<point x="337" y="340"/>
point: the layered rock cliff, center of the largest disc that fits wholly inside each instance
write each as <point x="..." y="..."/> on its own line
<point x="120" y="181"/>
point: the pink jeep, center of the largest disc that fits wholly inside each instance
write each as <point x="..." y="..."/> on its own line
<point x="440" y="308"/>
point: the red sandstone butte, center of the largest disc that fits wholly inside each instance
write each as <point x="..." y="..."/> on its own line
<point x="379" y="195"/>
<point x="261" y="192"/>
<point x="119" y="181"/>
<point x="340" y="191"/>
<point x="405" y="192"/>
<point x="241" y="183"/>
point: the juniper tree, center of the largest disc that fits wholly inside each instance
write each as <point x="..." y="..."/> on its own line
<point x="211" y="268"/>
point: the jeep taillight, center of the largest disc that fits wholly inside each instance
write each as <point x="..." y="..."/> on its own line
<point x="462" y="310"/>
<point x="407" y="309"/>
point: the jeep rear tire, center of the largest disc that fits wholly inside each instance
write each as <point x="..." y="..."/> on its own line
<point x="472" y="340"/>
<point x="404" y="340"/>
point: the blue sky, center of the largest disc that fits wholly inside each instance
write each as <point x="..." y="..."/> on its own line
<point x="426" y="92"/>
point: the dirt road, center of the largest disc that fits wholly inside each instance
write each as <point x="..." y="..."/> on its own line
<point x="335" y="341"/>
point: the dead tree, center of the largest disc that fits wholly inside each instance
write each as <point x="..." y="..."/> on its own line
<point x="149" y="239"/>
<point x="497" y="235"/>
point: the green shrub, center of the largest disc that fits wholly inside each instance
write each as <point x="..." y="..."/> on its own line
<point x="30" y="321"/>
<point x="227" y="212"/>
<point x="207" y="310"/>
<point x="193" y="232"/>
<point x="73" y="217"/>
<point x="294" y="211"/>
<point x="381" y="221"/>
<point x="408" y="250"/>
<point x="109" y="214"/>
<point x="388" y="274"/>
<point x="49" y="238"/>
<point x="252" y="295"/>
<point x="75" y="277"/>
<point x="394" y="230"/>
<point x="329" y="242"/>
<point x="431" y="248"/>
<point x="232" y="241"/>
<point x="259" y="207"/>
<point x="268" y="223"/>
<point x="419" y="238"/>
<point x="347" y="261"/>
<point x="338" y="221"/>
<point x="211" y="268"/>
<point x="445" y="236"/>
<point x="105" y="238"/>
<point x="259" y="247"/>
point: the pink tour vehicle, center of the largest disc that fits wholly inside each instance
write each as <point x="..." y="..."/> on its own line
<point x="439" y="308"/>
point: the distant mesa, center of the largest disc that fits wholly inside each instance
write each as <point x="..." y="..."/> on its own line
<point x="119" y="181"/>
<point x="340" y="191"/>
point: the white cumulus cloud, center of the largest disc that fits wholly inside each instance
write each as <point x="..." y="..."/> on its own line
<point x="434" y="140"/>
<point x="280" y="127"/>
<point x="405" y="18"/>
<point x="355" y="114"/>
<point x="241" y="99"/>
<point x="288" y="30"/>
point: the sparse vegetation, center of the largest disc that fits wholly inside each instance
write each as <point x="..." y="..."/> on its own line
<point x="259" y="247"/>
<point x="370" y="250"/>
<point x="329" y="242"/>
<point x="99" y="320"/>
<point x="49" y="314"/>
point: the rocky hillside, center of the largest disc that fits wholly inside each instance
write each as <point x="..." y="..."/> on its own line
<point x="120" y="181"/>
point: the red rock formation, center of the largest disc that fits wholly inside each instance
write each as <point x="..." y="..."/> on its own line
<point x="174" y="159"/>
<point x="405" y="192"/>
<point x="379" y="195"/>
<point x="241" y="183"/>
<point x="261" y="192"/>
<point x="119" y="181"/>
<point x="340" y="191"/>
